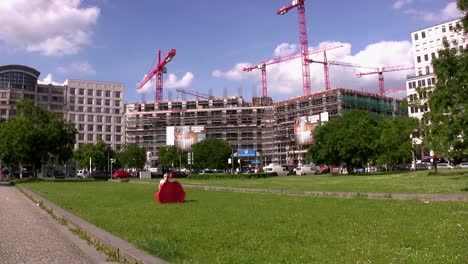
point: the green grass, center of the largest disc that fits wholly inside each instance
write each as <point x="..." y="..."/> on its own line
<point x="229" y="227"/>
<point x="446" y="181"/>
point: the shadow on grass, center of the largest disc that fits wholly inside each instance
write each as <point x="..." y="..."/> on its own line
<point x="451" y="173"/>
<point x="190" y="201"/>
<point x="464" y="189"/>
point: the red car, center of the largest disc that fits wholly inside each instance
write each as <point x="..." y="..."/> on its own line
<point x="120" y="174"/>
<point x="177" y="174"/>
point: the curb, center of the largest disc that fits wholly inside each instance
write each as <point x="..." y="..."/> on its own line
<point x="125" y="252"/>
<point x="383" y="196"/>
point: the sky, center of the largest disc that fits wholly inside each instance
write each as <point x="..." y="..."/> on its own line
<point x="118" y="41"/>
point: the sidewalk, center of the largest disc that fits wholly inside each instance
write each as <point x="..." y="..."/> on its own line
<point x="30" y="235"/>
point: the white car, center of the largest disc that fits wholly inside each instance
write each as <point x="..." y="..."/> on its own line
<point x="307" y="169"/>
<point x="444" y="166"/>
<point x="464" y="165"/>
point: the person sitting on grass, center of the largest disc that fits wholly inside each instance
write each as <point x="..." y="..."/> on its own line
<point x="163" y="180"/>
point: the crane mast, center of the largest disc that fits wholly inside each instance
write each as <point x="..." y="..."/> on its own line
<point x="303" y="40"/>
<point x="380" y="72"/>
<point x="158" y="72"/>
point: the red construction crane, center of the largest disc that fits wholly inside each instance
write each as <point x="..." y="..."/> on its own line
<point x="303" y="40"/>
<point x="380" y="72"/>
<point x="158" y="71"/>
<point x="194" y="93"/>
<point x="262" y="65"/>
<point x="326" y="63"/>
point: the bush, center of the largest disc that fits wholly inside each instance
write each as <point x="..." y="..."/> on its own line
<point x="231" y="176"/>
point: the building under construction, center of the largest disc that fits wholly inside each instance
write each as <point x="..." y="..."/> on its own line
<point x="261" y="125"/>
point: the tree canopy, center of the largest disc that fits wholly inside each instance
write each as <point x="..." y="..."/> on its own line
<point x="211" y="153"/>
<point x="132" y="156"/>
<point x="34" y="135"/>
<point x="98" y="153"/>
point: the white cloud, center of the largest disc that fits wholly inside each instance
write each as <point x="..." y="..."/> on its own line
<point x="50" y="27"/>
<point x="172" y="82"/>
<point x="400" y="3"/>
<point x="49" y="80"/>
<point x="77" y="67"/>
<point x="285" y="79"/>
<point x="285" y="49"/>
<point x="450" y="11"/>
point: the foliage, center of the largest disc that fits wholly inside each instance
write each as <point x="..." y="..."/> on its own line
<point x="171" y="156"/>
<point x="211" y="153"/>
<point x="350" y="139"/>
<point x="98" y="153"/>
<point x="447" y="120"/>
<point x="35" y="135"/>
<point x="394" y="144"/>
<point x="463" y="7"/>
<point x="132" y="156"/>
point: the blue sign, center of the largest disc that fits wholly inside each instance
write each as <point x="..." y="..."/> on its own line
<point x="246" y="153"/>
<point x="255" y="162"/>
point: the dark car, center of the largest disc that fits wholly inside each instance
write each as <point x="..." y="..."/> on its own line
<point x="26" y="173"/>
<point x="177" y="174"/>
<point x="100" y="175"/>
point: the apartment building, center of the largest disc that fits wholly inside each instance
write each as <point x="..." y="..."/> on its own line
<point x="97" y="109"/>
<point x="426" y="44"/>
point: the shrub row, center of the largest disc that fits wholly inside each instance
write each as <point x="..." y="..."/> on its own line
<point x="231" y="176"/>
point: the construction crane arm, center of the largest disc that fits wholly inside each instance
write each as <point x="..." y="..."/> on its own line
<point x="387" y="69"/>
<point x="158" y="67"/>
<point x="286" y="9"/>
<point x="194" y="93"/>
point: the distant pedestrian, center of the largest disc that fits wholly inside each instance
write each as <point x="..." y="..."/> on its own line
<point x="163" y="180"/>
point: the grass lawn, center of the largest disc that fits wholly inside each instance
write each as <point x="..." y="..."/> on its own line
<point x="230" y="227"/>
<point x="446" y="181"/>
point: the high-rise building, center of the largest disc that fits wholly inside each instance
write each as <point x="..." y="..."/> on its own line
<point x="97" y="109"/>
<point x="426" y="44"/>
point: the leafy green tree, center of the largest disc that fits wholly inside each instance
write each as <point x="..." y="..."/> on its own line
<point x="98" y="154"/>
<point x="132" y="156"/>
<point x="350" y="139"/>
<point x="211" y="153"/>
<point x="394" y="146"/>
<point x="34" y="135"/>
<point x="172" y="157"/>
<point x="447" y="120"/>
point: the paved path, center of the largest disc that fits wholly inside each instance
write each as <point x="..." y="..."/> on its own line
<point x="29" y="235"/>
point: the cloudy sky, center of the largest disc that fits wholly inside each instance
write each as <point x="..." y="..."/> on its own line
<point x="118" y="40"/>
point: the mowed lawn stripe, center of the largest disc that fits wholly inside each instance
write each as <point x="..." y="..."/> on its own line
<point x="229" y="227"/>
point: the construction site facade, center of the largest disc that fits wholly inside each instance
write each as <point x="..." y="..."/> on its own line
<point x="263" y="126"/>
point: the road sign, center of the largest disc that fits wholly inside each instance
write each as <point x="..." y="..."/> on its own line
<point x="246" y="153"/>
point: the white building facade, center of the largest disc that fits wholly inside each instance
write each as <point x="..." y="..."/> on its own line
<point x="97" y="109"/>
<point x="426" y="44"/>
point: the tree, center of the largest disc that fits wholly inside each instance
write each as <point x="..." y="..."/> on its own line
<point x="447" y="120"/>
<point x="394" y="146"/>
<point x="132" y="156"/>
<point x="211" y="153"/>
<point x="98" y="154"/>
<point x="170" y="156"/>
<point x="34" y="135"/>
<point x="350" y="139"/>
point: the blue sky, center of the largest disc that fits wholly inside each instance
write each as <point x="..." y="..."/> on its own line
<point x="117" y="41"/>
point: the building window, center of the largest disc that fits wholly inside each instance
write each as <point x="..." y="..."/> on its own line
<point x="72" y="117"/>
<point x="107" y="102"/>
<point x="426" y="57"/>
<point x="423" y="83"/>
<point x="428" y="70"/>
<point x="81" y="91"/>
<point x="118" y="120"/>
<point x="108" y="119"/>
<point x="97" y="109"/>
<point x="99" y="93"/>
<point x="80" y="100"/>
<point x="89" y="109"/>
<point x="118" y="138"/>
<point x="107" y="93"/>
<point x="443" y="29"/>
<point x="116" y="111"/>
<point x="450" y="27"/>
<point x="117" y="103"/>
<point x="90" y="101"/>
<point x="99" y="137"/>
<point x="423" y="34"/>
<point x="90" y="92"/>
<point x="418" y="59"/>
<point x="117" y="94"/>
<point x="415" y="36"/>
<point x="99" y="119"/>
<point x="118" y="129"/>
<point x="107" y="110"/>
<point x="80" y="108"/>
<point x="81" y="127"/>
<point x="90" y="118"/>
<point x="72" y="91"/>
<point x="108" y="138"/>
<point x="98" y="101"/>
<point x="81" y="118"/>
<point x="108" y="128"/>
<point x="90" y="128"/>
<point x="433" y="56"/>
<point x="81" y="136"/>
<point x="90" y="137"/>
<point x="420" y="72"/>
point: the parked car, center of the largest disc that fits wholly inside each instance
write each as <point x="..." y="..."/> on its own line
<point x="101" y="175"/>
<point x="463" y="165"/>
<point x="120" y="174"/>
<point x="278" y="169"/>
<point x="307" y="169"/>
<point x="82" y="174"/>
<point x="26" y="173"/>
<point x="177" y="174"/>
<point x="421" y="166"/>
<point x="444" y="166"/>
